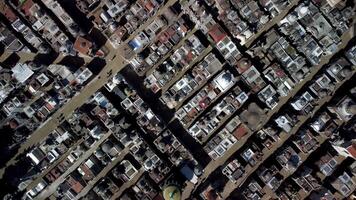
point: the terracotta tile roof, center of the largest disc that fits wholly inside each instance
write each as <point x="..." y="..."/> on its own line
<point x="26" y="6"/>
<point x="9" y="14"/>
<point x="149" y="6"/>
<point x="240" y="132"/>
<point x="352" y="150"/>
<point x="83" y="45"/>
<point x="75" y="185"/>
<point x="217" y="33"/>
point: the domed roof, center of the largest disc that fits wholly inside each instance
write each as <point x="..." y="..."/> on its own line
<point x="253" y="118"/>
<point x="303" y="11"/>
<point x="227" y="77"/>
<point x="198" y="170"/>
<point x="172" y="192"/>
<point x="314" y="31"/>
<point x="113" y="26"/>
<point x="345" y="72"/>
<point x="335" y="69"/>
<point x="107" y="147"/>
<point x="351" y="108"/>
<point x="323" y="92"/>
<point x="292" y="18"/>
<point x="5" y="76"/>
<point x="224" y="80"/>
<point x="99" y="153"/>
<point x="244" y="64"/>
<point x="161" y="145"/>
<point x="299" y="75"/>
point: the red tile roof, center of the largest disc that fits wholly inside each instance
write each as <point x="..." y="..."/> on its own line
<point x="13" y="124"/>
<point x="217" y="33"/>
<point x="352" y="150"/>
<point x="163" y="38"/>
<point x="83" y="45"/>
<point x="240" y="132"/>
<point x="26" y="6"/>
<point x="55" y="173"/>
<point x="75" y="185"/>
<point x="49" y="106"/>
<point x="10" y="15"/>
<point x="183" y="28"/>
<point x="149" y="6"/>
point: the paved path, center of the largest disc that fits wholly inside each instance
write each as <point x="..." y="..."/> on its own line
<point x="103" y="173"/>
<point x="40" y="176"/>
<point x="115" y="63"/>
<point x="230" y="186"/>
<point x="53" y="186"/>
<point x="43" y="131"/>
<point x="28" y="56"/>
<point x="271" y="23"/>
<point x="213" y="165"/>
<point x="128" y="184"/>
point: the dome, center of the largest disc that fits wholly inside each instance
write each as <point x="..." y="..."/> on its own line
<point x="148" y="164"/>
<point x="224" y="81"/>
<point x="244" y="64"/>
<point x="198" y="170"/>
<point x="299" y="75"/>
<point x="161" y="145"/>
<point x="113" y="26"/>
<point x="227" y="77"/>
<point x="335" y="69"/>
<point x="323" y="92"/>
<point x="128" y="91"/>
<point x="292" y="18"/>
<point x="345" y="72"/>
<point x="6" y="76"/>
<point x="303" y="11"/>
<point x="294" y="160"/>
<point x="171" y="192"/>
<point x="350" y="108"/>
<point x="314" y="31"/>
<point x="253" y="118"/>
<point x="99" y="153"/>
<point x="107" y="147"/>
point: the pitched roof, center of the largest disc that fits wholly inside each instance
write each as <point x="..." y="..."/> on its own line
<point x="352" y="150"/>
<point x="83" y="45"/>
<point x="217" y="33"/>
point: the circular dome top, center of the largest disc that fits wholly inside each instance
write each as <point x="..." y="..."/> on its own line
<point x="225" y="80"/>
<point x="161" y="145"/>
<point x="292" y="18"/>
<point x="244" y="64"/>
<point x="107" y="147"/>
<point x="335" y="69"/>
<point x="351" y="108"/>
<point x="128" y="91"/>
<point x="323" y="92"/>
<point x="198" y="170"/>
<point x="303" y="11"/>
<point x="99" y="153"/>
<point x="314" y="31"/>
<point x="172" y="193"/>
<point x="299" y="75"/>
<point x="5" y="76"/>
<point x="227" y="76"/>
<point x="253" y="118"/>
<point x="113" y="25"/>
<point x="345" y="72"/>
